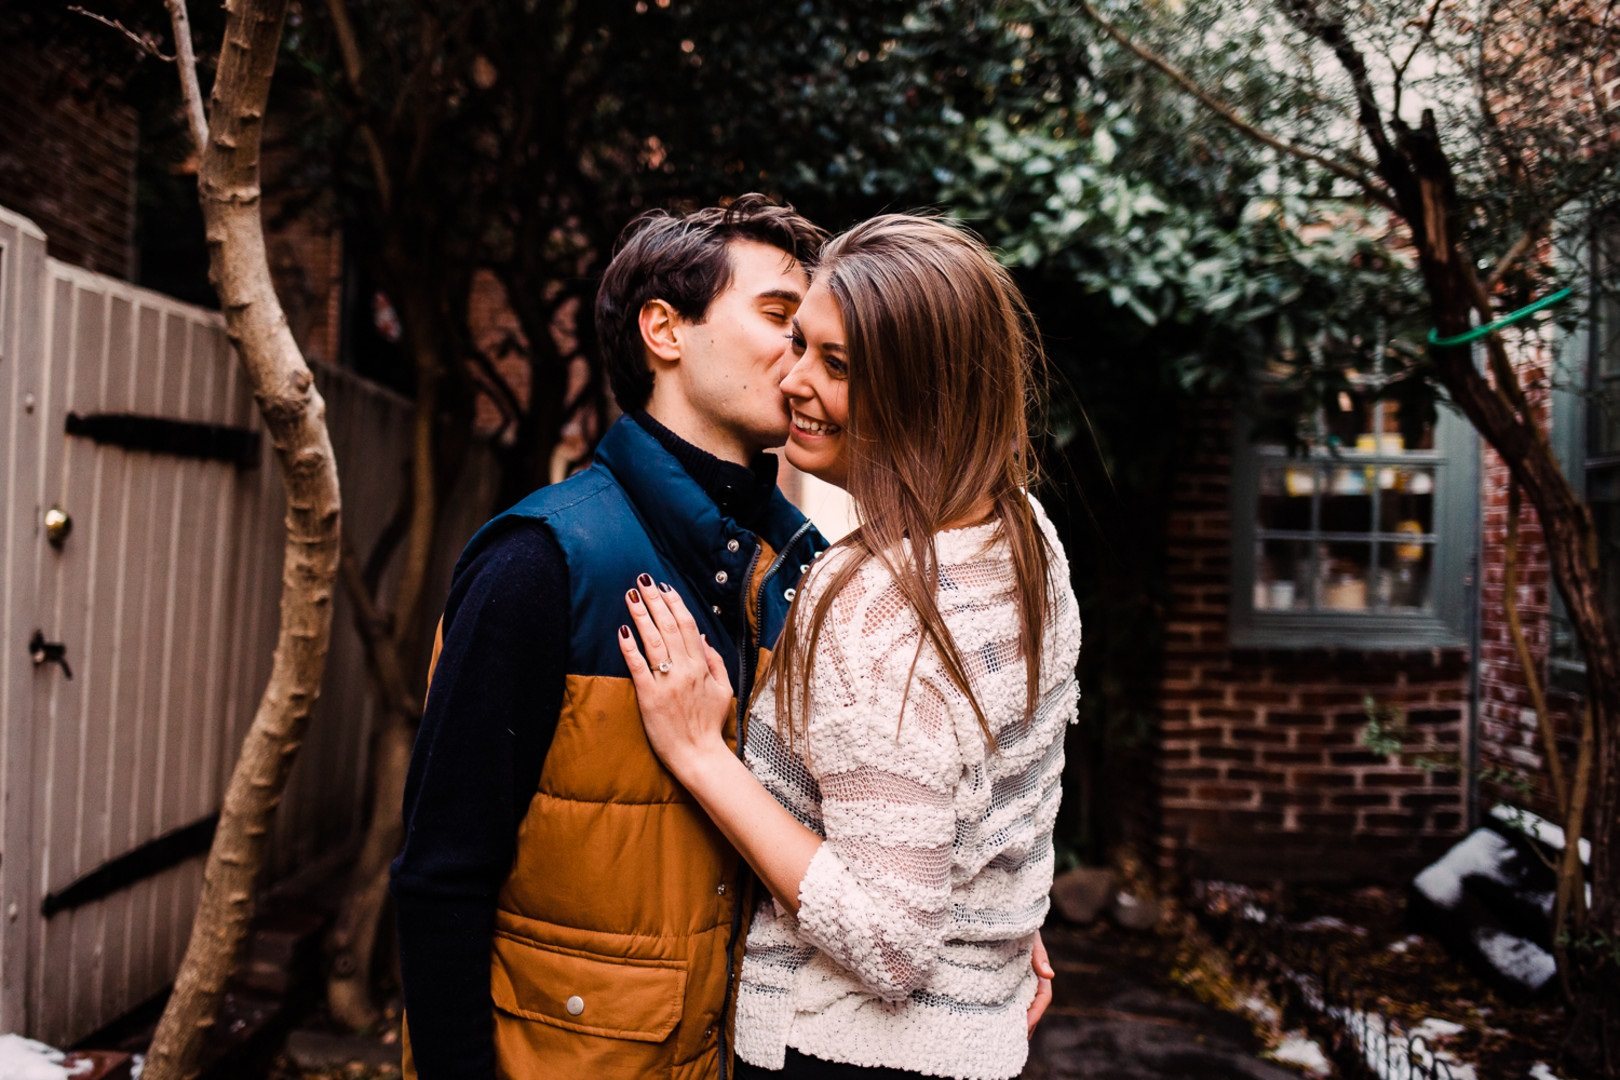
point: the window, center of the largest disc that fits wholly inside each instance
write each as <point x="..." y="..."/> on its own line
<point x="1586" y="433"/>
<point x="1365" y="541"/>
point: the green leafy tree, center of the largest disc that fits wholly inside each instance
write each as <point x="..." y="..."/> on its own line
<point x="1490" y="137"/>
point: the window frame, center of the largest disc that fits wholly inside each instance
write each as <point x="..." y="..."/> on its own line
<point x="1575" y="438"/>
<point x="1447" y="621"/>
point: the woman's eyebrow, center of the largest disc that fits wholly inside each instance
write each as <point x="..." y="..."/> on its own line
<point x="826" y="346"/>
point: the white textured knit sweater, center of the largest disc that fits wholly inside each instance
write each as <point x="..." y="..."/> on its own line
<point x="911" y="947"/>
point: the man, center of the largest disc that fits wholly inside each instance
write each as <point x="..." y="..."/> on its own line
<point x="550" y="864"/>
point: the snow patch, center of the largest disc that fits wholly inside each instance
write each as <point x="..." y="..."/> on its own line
<point x="1518" y="958"/>
<point x="1303" y="1052"/>
<point x="1432" y="1028"/>
<point x="1261" y="1009"/>
<point x="1539" y="828"/>
<point x="1540" y="1071"/>
<point x="25" y="1059"/>
<point x="1480" y="854"/>
<point x="1405" y="944"/>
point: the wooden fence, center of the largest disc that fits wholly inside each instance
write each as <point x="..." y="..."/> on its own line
<point x="124" y="413"/>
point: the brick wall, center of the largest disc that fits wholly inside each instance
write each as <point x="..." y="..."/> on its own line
<point x="1510" y="750"/>
<point x="67" y="161"/>
<point x="305" y="251"/>
<point x="1261" y="771"/>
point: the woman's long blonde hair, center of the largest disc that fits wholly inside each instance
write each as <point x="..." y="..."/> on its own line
<point x="945" y="366"/>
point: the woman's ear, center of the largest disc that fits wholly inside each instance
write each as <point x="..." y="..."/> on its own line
<point x="660" y="330"/>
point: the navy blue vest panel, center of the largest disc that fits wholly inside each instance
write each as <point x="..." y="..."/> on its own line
<point x="636" y="511"/>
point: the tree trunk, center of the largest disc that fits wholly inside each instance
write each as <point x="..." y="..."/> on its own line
<point x="1503" y="418"/>
<point x="294" y="415"/>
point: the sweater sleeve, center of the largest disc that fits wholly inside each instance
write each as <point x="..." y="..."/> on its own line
<point x="485" y="730"/>
<point x="876" y="894"/>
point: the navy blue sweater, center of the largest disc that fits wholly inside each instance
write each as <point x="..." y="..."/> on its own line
<point x="484" y="734"/>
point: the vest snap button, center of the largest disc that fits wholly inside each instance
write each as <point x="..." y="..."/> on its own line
<point x="719" y="577"/>
<point x="576" y="1005"/>
<point x="804" y="568"/>
<point x="790" y="594"/>
<point x="722" y="889"/>
<point x="817" y="555"/>
<point x="733" y="546"/>
<point x="715" y="608"/>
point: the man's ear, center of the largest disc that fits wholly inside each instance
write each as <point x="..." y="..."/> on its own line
<point x="661" y="330"/>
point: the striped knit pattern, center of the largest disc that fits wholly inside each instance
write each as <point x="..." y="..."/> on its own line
<point x="911" y="948"/>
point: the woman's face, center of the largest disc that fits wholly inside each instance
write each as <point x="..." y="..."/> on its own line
<point x="817" y="389"/>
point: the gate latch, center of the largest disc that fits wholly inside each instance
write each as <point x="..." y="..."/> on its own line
<point x="48" y="652"/>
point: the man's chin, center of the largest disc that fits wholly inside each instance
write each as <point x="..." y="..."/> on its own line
<point x="776" y="438"/>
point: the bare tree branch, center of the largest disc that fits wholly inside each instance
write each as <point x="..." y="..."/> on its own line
<point x="354" y="72"/>
<point x="1425" y="31"/>
<point x="1521" y="647"/>
<point x="143" y="42"/>
<point x="190" y="88"/>
<point x="1374" y="190"/>
<point x="1512" y="255"/>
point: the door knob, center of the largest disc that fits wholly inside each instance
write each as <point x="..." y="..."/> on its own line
<point x="57" y="526"/>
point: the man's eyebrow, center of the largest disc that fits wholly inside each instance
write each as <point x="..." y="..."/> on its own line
<point x="781" y="294"/>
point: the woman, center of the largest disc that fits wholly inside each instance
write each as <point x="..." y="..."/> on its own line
<point x="903" y="755"/>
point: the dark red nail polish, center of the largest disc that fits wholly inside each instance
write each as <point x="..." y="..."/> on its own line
<point x="664" y="587"/>
<point x="635" y="596"/>
<point x="624" y="632"/>
<point x="644" y="581"/>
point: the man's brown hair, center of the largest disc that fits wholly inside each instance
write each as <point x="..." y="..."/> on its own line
<point x="685" y="261"/>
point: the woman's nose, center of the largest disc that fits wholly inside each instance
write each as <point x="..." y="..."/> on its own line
<point x="793" y="384"/>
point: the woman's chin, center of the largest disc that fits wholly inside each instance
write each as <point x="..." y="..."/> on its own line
<point x="824" y="467"/>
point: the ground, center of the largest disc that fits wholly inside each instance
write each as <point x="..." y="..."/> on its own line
<point x="1117" y="1014"/>
<point x="1365" y="964"/>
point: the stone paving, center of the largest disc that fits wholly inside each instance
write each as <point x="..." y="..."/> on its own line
<point x="1117" y="1015"/>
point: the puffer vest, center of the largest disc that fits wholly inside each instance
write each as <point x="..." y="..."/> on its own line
<point x="620" y="928"/>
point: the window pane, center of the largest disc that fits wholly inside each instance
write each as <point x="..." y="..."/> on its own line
<point x="1603" y="493"/>
<point x="1347" y="504"/>
<point x="1285" y="497"/>
<point x="1390" y="440"/>
<point x="1405" y="499"/>
<point x="1605" y="406"/>
<point x="1343" y="571"/>
<point x="1402" y="580"/>
<point x="1282" y="575"/>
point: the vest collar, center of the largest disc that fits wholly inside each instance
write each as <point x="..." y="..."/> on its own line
<point x="683" y="520"/>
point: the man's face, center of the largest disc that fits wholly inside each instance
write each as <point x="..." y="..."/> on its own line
<point x="732" y="362"/>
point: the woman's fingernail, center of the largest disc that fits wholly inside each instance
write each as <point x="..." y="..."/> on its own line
<point x="635" y="596"/>
<point x="664" y="587"/>
<point x="644" y="581"/>
<point x="624" y="632"/>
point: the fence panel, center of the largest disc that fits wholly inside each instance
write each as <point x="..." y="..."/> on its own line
<point x="164" y="597"/>
<point x="22" y="264"/>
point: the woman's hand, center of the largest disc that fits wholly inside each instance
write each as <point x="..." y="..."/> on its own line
<point x="1043" y="985"/>
<point x="681" y="683"/>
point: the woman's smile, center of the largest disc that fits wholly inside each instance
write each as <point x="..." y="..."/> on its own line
<point x="808" y="429"/>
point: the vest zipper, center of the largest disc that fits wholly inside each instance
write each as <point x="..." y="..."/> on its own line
<point x="746" y="661"/>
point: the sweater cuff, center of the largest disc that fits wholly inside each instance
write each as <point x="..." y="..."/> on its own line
<point x="831" y="917"/>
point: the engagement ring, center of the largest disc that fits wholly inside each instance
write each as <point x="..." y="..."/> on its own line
<point x="663" y="669"/>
